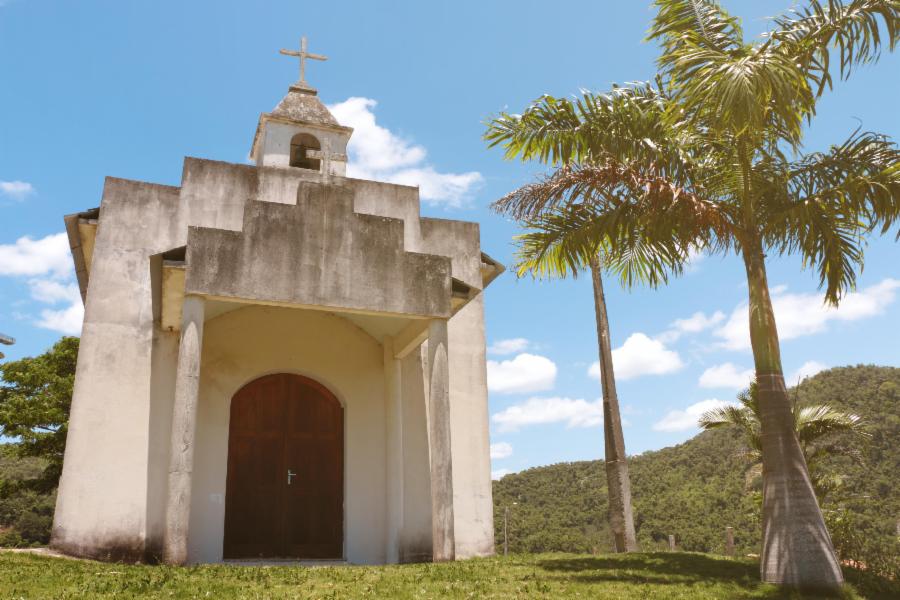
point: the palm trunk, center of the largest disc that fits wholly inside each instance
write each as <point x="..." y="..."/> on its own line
<point x="621" y="519"/>
<point x="796" y="550"/>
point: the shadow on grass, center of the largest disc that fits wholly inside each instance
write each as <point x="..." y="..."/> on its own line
<point x="675" y="567"/>
<point x="738" y="578"/>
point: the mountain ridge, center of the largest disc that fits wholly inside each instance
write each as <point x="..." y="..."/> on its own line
<point x="694" y="490"/>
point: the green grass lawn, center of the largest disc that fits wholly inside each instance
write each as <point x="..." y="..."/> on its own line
<point x="637" y="576"/>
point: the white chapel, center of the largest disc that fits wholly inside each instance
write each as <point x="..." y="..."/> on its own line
<point x="277" y="362"/>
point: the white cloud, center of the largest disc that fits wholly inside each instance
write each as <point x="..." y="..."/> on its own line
<point x="46" y="256"/>
<point x="511" y="346"/>
<point x="522" y="374"/>
<point x="49" y="265"/>
<point x="696" y="323"/>
<point x="379" y="154"/>
<point x="694" y="258"/>
<point x="17" y="190"/>
<point x="797" y="315"/>
<point x="541" y="411"/>
<point x="682" y="420"/>
<point x="501" y="450"/>
<point x="499" y="474"/>
<point x="807" y="369"/>
<point x="49" y="291"/>
<point x="67" y="321"/>
<point x="726" y="375"/>
<point x="641" y="355"/>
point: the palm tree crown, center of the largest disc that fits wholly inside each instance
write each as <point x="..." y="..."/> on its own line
<point x="708" y="156"/>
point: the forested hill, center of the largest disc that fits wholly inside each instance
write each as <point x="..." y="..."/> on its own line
<point x="696" y="489"/>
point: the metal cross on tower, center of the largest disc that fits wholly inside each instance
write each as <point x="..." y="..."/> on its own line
<point x="303" y="55"/>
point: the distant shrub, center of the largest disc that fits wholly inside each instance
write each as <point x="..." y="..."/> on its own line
<point x="10" y="538"/>
<point x="857" y="546"/>
<point x="33" y="528"/>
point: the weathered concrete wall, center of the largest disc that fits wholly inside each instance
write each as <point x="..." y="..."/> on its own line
<point x="242" y="345"/>
<point x="392" y="201"/>
<point x="318" y="253"/>
<point x="472" y="502"/>
<point x="213" y="194"/>
<point x="459" y="240"/>
<point x="101" y="508"/>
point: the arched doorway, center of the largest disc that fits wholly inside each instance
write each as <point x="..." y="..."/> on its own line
<point x="284" y="494"/>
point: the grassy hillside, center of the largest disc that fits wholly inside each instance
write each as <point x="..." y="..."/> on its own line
<point x="696" y="489"/>
<point x="632" y="577"/>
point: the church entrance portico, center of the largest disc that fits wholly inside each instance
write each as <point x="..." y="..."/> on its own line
<point x="284" y="486"/>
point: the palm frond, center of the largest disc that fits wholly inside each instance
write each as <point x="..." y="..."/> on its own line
<point x="740" y="93"/>
<point x="591" y="182"/>
<point x="853" y="30"/>
<point x="558" y="243"/>
<point x="563" y="241"/>
<point x="644" y="225"/>
<point x="735" y="416"/>
<point x="701" y="22"/>
<point x="818" y="421"/>
<point x="829" y="201"/>
<point x="624" y="125"/>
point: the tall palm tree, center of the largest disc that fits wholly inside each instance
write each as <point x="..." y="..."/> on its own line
<point x="815" y="425"/>
<point x="618" y="484"/>
<point x="709" y="157"/>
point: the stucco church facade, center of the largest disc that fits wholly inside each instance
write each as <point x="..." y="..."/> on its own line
<point x="277" y="361"/>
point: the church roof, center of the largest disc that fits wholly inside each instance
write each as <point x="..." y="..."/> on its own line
<point x="302" y="104"/>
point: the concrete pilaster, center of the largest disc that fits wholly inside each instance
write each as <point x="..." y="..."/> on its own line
<point x="443" y="538"/>
<point x="184" y="429"/>
<point x="393" y="450"/>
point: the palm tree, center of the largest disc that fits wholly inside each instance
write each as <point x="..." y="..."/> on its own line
<point x="618" y="483"/>
<point x="815" y="425"/>
<point x="709" y="157"/>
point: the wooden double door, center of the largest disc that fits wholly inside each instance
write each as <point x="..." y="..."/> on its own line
<point x="284" y="493"/>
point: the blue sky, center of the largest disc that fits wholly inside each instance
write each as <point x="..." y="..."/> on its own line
<point x="128" y="89"/>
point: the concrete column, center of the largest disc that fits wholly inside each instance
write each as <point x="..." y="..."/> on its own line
<point x="671" y="543"/>
<point x="184" y="428"/>
<point x="443" y="538"/>
<point x="415" y="536"/>
<point x="393" y="450"/>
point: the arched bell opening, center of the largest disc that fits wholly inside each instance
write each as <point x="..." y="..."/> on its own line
<point x="302" y="145"/>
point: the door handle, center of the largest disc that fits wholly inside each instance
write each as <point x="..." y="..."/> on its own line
<point x="291" y="475"/>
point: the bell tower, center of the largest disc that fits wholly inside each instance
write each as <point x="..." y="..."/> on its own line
<point x="300" y="133"/>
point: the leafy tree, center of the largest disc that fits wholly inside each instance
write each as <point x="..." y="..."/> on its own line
<point x="35" y="395"/>
<point x="709" y="158"/>
<point x="816" y="427"/>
